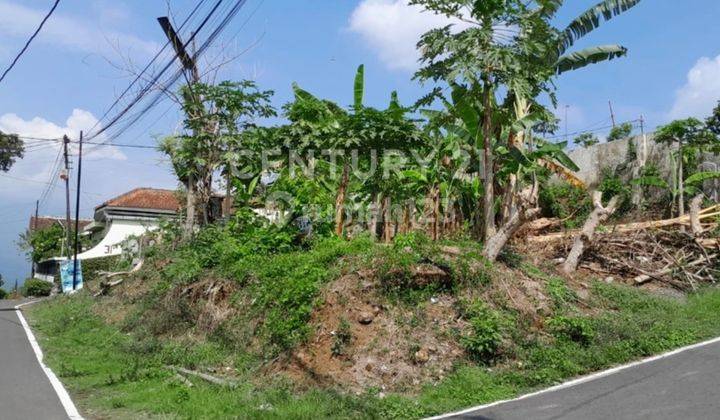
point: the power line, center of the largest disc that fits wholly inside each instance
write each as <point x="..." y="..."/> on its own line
<point x="27" y="44"/>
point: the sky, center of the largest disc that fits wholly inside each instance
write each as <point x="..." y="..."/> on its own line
<point x="89" y="49"/>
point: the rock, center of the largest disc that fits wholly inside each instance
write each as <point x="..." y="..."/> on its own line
<point x="421" y="356"/>
<point x="609" y="279"/>
<point x="365" y="318"/>
<point x="434" y="300"/>
<point x="369" y="367"/>
<point x="376" y="310"/>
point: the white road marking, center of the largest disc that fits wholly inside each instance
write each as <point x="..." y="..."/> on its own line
<point x="580" y="380"/>
<point x="60" y="390"/>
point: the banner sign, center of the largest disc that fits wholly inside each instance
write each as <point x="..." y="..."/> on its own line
<point x="66" y="276"/>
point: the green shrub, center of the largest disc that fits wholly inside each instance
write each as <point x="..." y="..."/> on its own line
<point x="578" y="330"/>
<point x="566" y="202"/>
<point x="3" y="294"/>
<point x="612" y="185"/>
<point x="35" y="287"/>
<point x="483" y="341"/>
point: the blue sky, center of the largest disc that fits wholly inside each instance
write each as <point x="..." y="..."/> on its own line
<point x="65" y="82"/>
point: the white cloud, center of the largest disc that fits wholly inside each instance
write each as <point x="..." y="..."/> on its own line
<point x="70" y="32"/>
<point x="37" y="165"/>
<point x="701" y="92"/>
<point x="393" y="28"/>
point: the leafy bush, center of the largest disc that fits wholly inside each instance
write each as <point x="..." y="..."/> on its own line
<point x="483" y="341"/>
<point x="3" y="294"/>
<point x="620" y="132"/>
<point x="612" y="185"/>
<point x="567" y="202"/>
<point x="578" y="330"/>
<point x="35" y="287"/>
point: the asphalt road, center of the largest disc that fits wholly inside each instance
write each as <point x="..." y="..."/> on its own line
<point x="685" y="385"/>
<point x="25" y="391"/>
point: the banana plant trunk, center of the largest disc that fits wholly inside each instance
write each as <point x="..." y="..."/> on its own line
<point x="387" y="219"/>
<point x="340" y="200"/>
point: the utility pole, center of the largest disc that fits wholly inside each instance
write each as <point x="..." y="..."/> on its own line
<point x="66" y="177"/>
<point x="189" y="65"/>
<point x="77" y="212"/>
<point x="612" y="114"/>
<point x="34" y="229"/>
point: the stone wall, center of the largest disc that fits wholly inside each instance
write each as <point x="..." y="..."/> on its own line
<point x="594" y="159"/>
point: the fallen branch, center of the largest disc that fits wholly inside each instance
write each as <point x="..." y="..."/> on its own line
<point x="708" y="213"/>
<point x="106" y="286"/>
<point x="647" y="277"/>
<point x="204" y="376"/>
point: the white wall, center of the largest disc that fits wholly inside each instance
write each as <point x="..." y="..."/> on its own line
<point x="118" y="232"/>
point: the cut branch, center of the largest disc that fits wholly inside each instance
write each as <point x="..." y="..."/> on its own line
<point x="599" y="215"/>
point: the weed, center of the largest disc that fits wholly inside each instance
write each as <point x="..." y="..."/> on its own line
<point x="483" y="340"/>
<point x="576" y="329"/>
<point x="342" y="338"/>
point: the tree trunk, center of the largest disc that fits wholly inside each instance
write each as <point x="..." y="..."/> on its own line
<point x="494" y="245"/>
<point x="695" y="204"/>
<point x="228" y="201"/>
<point x="599" y="215"/>
<point x="681" y="184"/>
<point x="190" y="208"/>
<point x="375" y="208"/>
<point x="387" y="219"/>
<point x="488" y="182"/>
<point x="340" y="200"/>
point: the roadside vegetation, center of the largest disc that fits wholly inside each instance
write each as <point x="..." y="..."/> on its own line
<point x="397" y="269"/>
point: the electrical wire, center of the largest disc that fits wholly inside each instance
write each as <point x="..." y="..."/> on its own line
<point x="29" y="41"/>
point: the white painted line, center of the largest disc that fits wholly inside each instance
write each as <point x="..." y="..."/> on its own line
<point x="580" y="380"/>
<point x="60" y="390"/>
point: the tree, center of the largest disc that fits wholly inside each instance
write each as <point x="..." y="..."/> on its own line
<point x="620" y="132"/>
<point x="692" y="137"/>
<point x="586" y="140"/>
<point x="11" y="148"/>
<point x="713" y="121"/>
<point x="215" y="116"/>
<point x="512" y="47"/>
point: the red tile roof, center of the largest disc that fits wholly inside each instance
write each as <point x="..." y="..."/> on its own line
<point x="145" y="198"/>
<point x="45" y="222"/>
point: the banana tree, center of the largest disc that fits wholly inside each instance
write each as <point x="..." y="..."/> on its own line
<point x="691" y="137"/>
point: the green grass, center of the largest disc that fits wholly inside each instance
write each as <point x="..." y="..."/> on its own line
<point x="110" y="373"/>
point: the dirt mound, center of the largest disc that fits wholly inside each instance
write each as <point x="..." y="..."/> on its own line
<point x="362" y="341"/>
<point x="380" y="346"/>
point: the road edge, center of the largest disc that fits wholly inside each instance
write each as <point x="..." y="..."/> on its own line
<point x="60" y="390"/>
<point x="580" y="380"/>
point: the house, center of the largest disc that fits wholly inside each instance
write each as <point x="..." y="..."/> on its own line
<point x="128" y="215"/>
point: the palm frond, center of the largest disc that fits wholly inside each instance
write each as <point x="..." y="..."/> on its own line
<point x="591" y="19"/>
<point x="579" y="59"/>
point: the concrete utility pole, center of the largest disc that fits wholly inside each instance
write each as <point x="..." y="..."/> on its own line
<point x="612" y="114"/>
<point x="34" y="229"/>
<point x="66" y="177"/>
<point x="190" y="66"/>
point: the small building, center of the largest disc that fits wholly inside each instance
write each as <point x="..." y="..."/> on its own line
<point x="115" y="221"/>
<point x="128" y="215"/>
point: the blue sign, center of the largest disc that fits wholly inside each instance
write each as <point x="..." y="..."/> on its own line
<point x="66" y="276"/>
